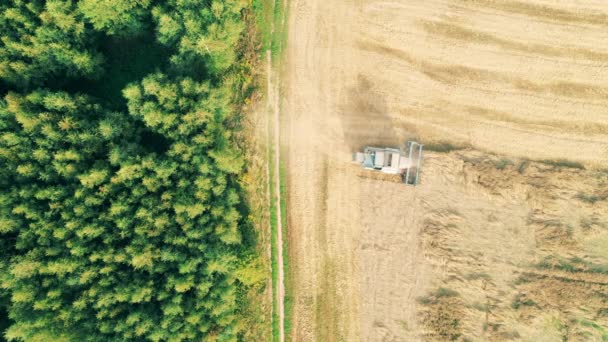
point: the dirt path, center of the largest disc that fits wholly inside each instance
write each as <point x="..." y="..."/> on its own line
<point x="273" y="103"/>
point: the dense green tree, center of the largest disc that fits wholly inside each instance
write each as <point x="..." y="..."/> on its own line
<point x="41" y="39"/>
<point x="208" y="29"/>
<point x="186" y="111"/>
<point x="47" y="142"/>
<point x="115" y="17"/>
<point x="120" y="226"/>
<point x="183" y="192"/>
<point x="137" y="245"/>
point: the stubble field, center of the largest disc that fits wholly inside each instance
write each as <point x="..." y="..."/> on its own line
<point x="502" y="239"/>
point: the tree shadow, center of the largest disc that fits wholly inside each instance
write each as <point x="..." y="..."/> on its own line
<point x="127" y="60"/>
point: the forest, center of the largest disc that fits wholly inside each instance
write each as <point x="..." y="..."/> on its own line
<point x="121" y="213"/>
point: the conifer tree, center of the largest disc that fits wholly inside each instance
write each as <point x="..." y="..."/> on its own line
<point x="41" y="39"/>
<point x="207" y="29"/>
<point x="133" y="250"/>
<point x="120" y="226"/>
<point x="115" y="17"/>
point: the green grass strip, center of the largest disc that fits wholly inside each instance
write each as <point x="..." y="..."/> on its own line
<point x="271" y="24"/>
<point x="274" y="250"/>
<point x="288" y="300"/>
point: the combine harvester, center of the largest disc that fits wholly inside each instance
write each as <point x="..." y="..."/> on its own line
<point x="394" y="161"/>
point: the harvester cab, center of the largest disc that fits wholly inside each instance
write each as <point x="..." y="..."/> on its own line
<point x="405" y="162"/>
